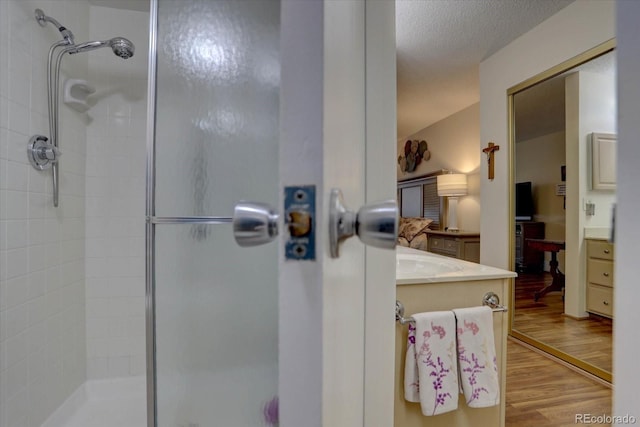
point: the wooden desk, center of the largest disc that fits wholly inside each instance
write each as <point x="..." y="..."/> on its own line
<point x="552" y="246"/>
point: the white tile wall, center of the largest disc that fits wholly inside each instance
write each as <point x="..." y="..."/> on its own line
<point x="115" y="199"/>
<point x="42" y="265"/>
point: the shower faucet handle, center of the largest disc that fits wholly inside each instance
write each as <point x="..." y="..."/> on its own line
<point x="50" y="153"/>
<point x="42" y="153"/>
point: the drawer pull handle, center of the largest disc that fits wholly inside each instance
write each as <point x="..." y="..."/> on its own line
<point x="606" y="251"/>
<point x="605" y="302"/>
<point x="605" y="274"/>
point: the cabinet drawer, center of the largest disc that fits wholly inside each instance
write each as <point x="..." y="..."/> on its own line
<point x="600" y="300"/>
<point x="436" y="242"/>
<point x="442" y="245"/>
<point x="600" y="272"/>
<point x="450" y="245"/>
<point x="599" y="249"/>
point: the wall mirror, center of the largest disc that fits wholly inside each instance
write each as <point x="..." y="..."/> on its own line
<point x="561" y="221"/>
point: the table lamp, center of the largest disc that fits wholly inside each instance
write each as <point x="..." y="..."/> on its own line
<point x="452" y="186"/>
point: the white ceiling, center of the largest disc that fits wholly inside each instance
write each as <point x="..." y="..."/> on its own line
<point x="440" y="44"/>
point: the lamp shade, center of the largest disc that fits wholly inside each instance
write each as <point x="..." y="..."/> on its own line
<point x="453" y="184"/>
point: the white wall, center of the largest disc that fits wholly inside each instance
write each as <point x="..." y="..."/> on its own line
<point x="627" y="269"/>
<point x="590" y="100"/>
<point x="42" y="316"/>
<point x="115" y="198"/>
<point x="575" y="29"/>
<point x="598" y="114"/>
<point x="453" y="143"/>
<point x="538" y="160"/>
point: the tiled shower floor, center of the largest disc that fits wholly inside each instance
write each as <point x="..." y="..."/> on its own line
<point x="104" y="403"/>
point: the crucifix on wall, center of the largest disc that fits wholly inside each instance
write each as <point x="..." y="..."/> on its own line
<point x="489" y="151"/>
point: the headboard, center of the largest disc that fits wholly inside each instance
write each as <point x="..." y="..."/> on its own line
<point x="419" y="198"/>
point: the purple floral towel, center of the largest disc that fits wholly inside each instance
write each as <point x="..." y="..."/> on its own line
<point x="477" y="356"/>
<point x="411" y="386"/>
<point x="434" y="348"/>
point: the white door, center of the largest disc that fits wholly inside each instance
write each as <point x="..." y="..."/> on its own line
<point x="251" y="100"/>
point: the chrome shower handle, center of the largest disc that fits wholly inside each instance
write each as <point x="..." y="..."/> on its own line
<point x="50" y="153"/>
<point x="42" y="153"/>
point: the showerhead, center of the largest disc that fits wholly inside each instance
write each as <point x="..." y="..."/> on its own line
<point x="121" y="47"/>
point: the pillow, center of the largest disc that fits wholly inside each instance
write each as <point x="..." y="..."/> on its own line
<point x="419" y="242"/>
<point x="403" y="242"/>
<point x="412" y="226"/>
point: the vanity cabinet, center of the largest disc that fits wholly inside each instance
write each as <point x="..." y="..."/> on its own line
<point x="600" y="282"/>
<point x="462" y="245"/>
<point x="446" y="296"/>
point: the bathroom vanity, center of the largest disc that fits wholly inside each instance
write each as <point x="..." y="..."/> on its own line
<point x="429" y="282"/>
<point x="600" y="277"/>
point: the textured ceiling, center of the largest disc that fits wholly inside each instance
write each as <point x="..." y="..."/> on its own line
<point x="440" y="44"/>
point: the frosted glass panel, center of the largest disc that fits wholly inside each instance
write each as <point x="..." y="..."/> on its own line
<point x="216" y="312"/>
<point x="216" y="329"/>
<point x="217" y="105"/>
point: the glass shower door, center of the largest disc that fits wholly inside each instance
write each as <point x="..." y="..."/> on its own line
<point x="214" y="351"/>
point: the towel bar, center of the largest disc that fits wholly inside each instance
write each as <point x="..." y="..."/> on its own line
<point x="489" y="299"/>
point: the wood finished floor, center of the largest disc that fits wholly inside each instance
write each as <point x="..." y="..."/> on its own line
<point x="587" y="339"/>
<point x="544" y="393"/>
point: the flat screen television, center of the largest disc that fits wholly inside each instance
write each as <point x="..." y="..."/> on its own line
<point x="524" y="201"/>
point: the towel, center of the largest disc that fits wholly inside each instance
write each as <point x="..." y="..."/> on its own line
<point x="411" y="389"/>
<point x="477" y="356"/>
<point x="432" y="354"/>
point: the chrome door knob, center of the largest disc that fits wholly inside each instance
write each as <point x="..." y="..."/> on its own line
<point x="375" y="224"/>
<point x="254" y="223"/>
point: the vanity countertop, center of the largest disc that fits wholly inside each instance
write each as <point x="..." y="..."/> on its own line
<point x="414" y="267"/>
<point x="597" y="233"/>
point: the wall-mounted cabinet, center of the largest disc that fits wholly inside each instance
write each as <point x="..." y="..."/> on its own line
<point x="603" y="161"/>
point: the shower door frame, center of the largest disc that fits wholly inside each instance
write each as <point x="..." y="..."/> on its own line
<point x="374" y="386"/>
<point x="150" y="313"/>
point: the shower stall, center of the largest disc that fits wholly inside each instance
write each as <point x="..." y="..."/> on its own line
<point x="72" y="276"/>
<point x="130" y="178"/>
